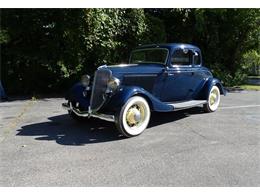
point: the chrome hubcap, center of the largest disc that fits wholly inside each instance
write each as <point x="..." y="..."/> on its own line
<point x="213" y="97"/>
<point x="135" y="115"/>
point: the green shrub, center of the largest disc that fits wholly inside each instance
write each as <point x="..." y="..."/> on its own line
<point x="227" y="78"/>
<point x="251" y="62"/>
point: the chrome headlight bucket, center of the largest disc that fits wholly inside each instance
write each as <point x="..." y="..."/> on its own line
<point x="112" y="84"/>
<point x="85" y="79"/>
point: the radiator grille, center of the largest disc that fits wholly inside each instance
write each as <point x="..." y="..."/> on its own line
<point x="98" y="88"/>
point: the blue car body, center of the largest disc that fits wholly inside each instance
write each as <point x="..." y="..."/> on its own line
<point x="160" y="84"/>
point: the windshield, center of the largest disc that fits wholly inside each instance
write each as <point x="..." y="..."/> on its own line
<point x="155" y="55"/>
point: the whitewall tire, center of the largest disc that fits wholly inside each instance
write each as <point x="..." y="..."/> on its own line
<point x="134" y="116"/>
<point x="213" y="100"/>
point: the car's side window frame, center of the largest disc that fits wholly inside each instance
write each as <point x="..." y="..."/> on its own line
<point x="188" y="65"/>
<point x="178" y="65"/>
<point x="200" y="58"/>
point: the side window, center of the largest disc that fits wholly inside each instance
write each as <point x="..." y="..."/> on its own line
<point x="185" y="57"/>
<point x="182" y="57"/>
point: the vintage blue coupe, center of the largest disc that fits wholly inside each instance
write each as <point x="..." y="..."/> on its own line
<point x="161" y="78"/>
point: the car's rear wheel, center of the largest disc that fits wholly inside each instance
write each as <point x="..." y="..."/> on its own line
<point x="133" y="117"/>
<point x="213" y="100"/>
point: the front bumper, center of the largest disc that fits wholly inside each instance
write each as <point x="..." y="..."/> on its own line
<point x="89" y="113"/>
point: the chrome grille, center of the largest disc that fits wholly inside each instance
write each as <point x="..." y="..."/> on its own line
<point x="98" y="88"/>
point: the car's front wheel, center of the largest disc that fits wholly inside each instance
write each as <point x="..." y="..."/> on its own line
<point x="133" y="117"/>
<point x="213" y="100"/>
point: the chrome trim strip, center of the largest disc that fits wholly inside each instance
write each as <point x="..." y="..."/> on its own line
<point x="105" y="117"/>
<point x="176" y="106"/>
<point x="122" y="65"/>
<point x="93" y="88"/>
<point x="180" y="66"/>
<point x="65" y="106"/>
<point x="140" y="75"/>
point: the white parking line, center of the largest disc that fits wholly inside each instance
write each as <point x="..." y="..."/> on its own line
<point x="233" y="107"/>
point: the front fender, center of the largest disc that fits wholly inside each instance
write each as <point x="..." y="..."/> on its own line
<point x="125" y="92"/>
<point x="75" y="94"/>
<point x="208" y="85"/>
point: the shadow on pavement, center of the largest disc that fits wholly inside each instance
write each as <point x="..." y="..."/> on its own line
<point x="65" y="131"/>
<point x="159" y="118"/>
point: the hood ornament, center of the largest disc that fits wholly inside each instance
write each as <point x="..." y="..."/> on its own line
<point x="102" y="66"/>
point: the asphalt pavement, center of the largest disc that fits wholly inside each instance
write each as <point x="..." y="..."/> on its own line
<point x="40" y="145"/>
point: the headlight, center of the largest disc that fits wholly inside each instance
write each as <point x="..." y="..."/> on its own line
<point x="112" y="84"/>
<point x="85" y="80"/>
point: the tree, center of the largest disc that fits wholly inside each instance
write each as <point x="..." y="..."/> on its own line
<point x="44" y="50"/>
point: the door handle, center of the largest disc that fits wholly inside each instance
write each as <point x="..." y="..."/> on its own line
<point x="166" y="72"/>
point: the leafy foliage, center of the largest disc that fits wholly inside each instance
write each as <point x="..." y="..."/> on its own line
<point x="44" y="50"/>
<point x="251" y="62"/>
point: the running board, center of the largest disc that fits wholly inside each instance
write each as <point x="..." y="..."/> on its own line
<point x="187" y="104"/>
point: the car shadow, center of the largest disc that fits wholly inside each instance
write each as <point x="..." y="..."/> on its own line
<point x="65" y="131"/>
<point x="159" y="118"/>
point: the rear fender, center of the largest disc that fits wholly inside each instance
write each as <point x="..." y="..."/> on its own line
<point x="207" y="87"/>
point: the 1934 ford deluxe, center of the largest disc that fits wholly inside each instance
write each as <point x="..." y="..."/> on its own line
<point x="161" y="78"/>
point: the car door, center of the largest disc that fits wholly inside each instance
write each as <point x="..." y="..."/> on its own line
<point x="198" y="76"/>
<point x="179" y="77"/>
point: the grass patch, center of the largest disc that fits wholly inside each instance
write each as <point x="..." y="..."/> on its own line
<point x="254" y="77"/>
<point x="250" y="87"/>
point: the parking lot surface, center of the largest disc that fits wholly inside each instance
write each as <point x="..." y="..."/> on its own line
<point x="40" y="145"/>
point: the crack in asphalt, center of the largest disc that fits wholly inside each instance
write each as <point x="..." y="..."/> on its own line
<point x="204" y="137"/>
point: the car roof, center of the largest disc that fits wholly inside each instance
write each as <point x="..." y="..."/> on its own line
<point x="169" y="46"/>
